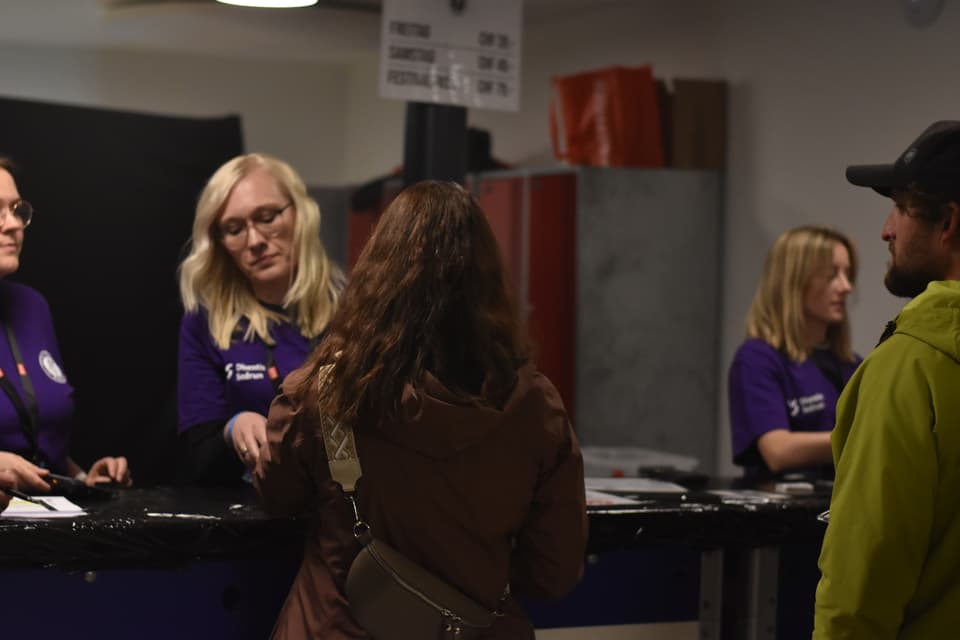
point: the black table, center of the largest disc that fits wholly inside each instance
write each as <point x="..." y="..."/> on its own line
<point x="706" y="559"/>
<point x="148" y="528"/>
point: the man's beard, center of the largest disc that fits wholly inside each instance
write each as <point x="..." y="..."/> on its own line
<point x="907" y="283"/>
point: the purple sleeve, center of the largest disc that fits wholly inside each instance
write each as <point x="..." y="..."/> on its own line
<point x="757" y="396"/>
<point x="201" y="386"/>
<point x="32" y="325"/>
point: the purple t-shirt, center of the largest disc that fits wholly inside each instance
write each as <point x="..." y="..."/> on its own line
<point x="213" y="384"/>
<point x="769" y="391"/>
<point x="28" y="314"/>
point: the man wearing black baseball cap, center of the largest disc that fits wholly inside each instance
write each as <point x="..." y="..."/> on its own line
<point x="891" y="555"/>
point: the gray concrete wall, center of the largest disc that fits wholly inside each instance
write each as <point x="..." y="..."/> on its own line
<point x="648" y="274"/>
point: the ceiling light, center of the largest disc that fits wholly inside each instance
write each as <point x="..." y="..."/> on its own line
<point x="270" y="4"/>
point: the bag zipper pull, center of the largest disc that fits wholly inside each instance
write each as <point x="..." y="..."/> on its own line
<point x="451" y="624"/>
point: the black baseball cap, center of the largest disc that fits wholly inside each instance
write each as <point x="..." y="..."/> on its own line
<point x="931" y="162"/>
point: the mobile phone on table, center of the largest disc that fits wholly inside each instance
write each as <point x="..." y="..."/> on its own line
<point x="72" y="488"/>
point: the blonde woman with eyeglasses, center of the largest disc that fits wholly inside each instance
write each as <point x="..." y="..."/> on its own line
<point x="258" y="290"/>
<point x="36" y="399"/>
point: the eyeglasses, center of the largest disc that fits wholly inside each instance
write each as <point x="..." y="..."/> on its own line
<point x="266" y="220"/>
<point x="21" y="209"/>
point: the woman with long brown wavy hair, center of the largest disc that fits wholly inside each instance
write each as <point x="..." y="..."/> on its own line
<point x="470" y="464"/>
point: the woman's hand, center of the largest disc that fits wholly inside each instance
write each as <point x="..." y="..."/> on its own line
<point x="29" y="476"/>
<point x="8" y="480"/>
<point x="248" y="435"/>
<point x="109" y="469"/>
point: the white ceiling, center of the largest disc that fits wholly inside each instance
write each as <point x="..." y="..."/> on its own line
<point x="205" y="27"/>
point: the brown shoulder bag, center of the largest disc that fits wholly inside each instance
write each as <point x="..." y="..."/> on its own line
<point x="391" y="596"/>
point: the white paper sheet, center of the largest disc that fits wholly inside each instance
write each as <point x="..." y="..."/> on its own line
<point x="599" y="498"/>
<point x="633" y="485"/>
<point x="748" y="496"/>
<point x="63" y="508"/>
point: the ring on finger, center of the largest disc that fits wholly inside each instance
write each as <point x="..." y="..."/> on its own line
<point x="243" y="450"/>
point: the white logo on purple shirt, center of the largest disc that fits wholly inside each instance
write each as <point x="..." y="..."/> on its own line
<point x="806" y="404"/>
<point x="51" y="368"/>
<point x="242" y="371"/>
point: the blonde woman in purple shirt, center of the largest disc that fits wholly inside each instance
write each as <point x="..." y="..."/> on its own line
<point x="786" y="377"/>
<point x="258" y="290"/>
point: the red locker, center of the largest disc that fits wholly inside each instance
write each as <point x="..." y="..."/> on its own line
<point x="534" y="217"/>
<point x="360" y="224"/>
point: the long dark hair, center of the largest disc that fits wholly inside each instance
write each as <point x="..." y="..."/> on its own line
<point x="428" y="294"/>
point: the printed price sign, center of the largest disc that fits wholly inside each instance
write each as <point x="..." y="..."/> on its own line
<point x="460" y="52"/>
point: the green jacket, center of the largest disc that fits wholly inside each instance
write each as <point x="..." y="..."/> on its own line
<point x="891" y="556"/>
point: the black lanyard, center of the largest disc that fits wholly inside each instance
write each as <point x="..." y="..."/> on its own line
<point x="830" y="367"/>
<point x="273" y="372"/>
<point x="27" y="408"/>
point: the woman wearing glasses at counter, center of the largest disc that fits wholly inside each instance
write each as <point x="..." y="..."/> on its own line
<point x="36" y="401"/>
<point x="258" y="290"/>
<point x="786" y="378"/>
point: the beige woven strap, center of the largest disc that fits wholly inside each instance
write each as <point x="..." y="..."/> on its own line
<point x="341" y="453"/>
<point x="341" y="447"/>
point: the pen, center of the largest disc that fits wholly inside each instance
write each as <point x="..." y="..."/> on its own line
<point x="20" y="494"/>
<point x="188" y="516"/>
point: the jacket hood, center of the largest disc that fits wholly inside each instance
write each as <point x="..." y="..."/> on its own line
<point x="439" y="423"/>
<point x="934" y="317"/>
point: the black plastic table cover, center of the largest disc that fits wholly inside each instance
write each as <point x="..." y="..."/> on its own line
<point x="167" y="527"/>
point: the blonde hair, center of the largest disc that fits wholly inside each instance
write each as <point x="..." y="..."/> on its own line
<point x="776" y="315"/>
<point x="209" y="277"/>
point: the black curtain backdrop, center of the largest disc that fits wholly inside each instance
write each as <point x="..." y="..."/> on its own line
<point x="114" y="194"/>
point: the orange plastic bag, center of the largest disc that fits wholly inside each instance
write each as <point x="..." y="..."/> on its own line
<point x="607" y="117"/>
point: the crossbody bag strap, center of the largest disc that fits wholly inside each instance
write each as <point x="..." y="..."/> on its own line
<point x="345" y="469"/>
<point x="342" y="456"/>
<point x="339" y="443"/>
<point x="343" y="460"/>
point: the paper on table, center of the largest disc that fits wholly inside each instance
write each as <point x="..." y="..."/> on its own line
<point x="598" y="498"/>
<point x="22" y="509"/>
<point x="748" y="496"/>
<point x="633" y="485"/>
